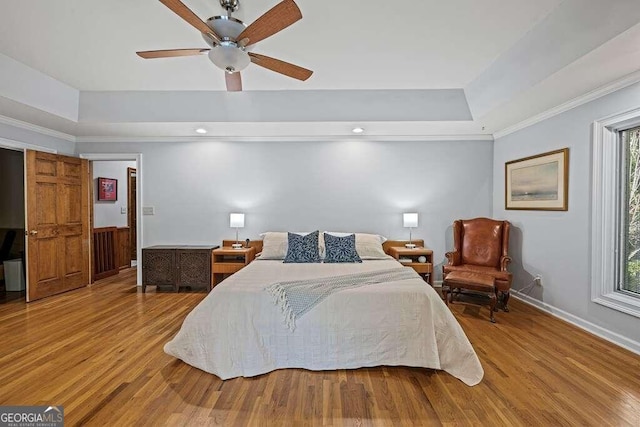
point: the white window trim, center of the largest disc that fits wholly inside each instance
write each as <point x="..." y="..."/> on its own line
<point x="604" y="212"/>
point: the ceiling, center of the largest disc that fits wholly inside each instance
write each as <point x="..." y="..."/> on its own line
<point x="509" y="59"/>
<point x="356" y="44"/>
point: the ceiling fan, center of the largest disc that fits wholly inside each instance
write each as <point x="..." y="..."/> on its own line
<point x="231" y="41"/>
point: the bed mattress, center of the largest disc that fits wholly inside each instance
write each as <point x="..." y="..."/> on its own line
<point x="237" y="330"/>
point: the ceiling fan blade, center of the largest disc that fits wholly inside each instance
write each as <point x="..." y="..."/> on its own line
<point x="280" y="66"/>
<point x="234" y="81"/>
<point x="275" y="19"/>
<point x="170" y="53"/>
<point x="187" y="14"/>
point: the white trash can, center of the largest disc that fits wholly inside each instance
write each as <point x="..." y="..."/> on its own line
<point x="13" y="276"/>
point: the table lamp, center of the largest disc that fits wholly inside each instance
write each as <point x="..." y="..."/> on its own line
<point x="409" y="221"/>
<point x="236" y="220"/>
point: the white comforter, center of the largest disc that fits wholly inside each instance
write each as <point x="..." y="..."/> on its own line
<point x="238" y="331"/>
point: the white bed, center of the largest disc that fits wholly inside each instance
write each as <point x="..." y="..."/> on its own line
<point x="237" y="330"/>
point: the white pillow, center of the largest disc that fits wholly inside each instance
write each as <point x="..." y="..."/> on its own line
<point x="302" y="233"/>
<point x="368" y="246"/>
<point x="275" y="244"/>
<point x="339" y="234"/>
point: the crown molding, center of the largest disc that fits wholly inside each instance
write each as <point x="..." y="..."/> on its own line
<point x="626" y="81"/>
<point x="288" y="138"/>
<point x="21" y="146"/>
<point x="239" y="138"/>
<point x="35" y="128"/>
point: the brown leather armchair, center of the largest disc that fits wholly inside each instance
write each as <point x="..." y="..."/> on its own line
<point x="480" y="246"/>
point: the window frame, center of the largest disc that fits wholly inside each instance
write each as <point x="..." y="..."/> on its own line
<point x="606" y="216"/>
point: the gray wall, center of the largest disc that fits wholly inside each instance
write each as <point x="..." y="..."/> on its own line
<point x="557" y="244"/>
<point x="107" y="213"/>
<point x="11" y="189"/>
<point x="342" y="186"/>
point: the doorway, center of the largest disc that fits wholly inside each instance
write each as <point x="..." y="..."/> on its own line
<point x="137" y="157"/>
<point x="12" y="226"/>
<point x="112" y="213"/>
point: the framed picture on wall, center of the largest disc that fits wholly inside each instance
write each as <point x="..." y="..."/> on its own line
<point x="107" y="189"/>
<point x="539" y="182"/>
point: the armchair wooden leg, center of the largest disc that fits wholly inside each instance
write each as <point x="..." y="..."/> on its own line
<point x="505" y="300"/>
<point x="492" y="306"/>
<point x="445" y="292"/>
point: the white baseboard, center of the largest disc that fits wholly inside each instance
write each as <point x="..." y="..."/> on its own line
<point x="599" y="331"/>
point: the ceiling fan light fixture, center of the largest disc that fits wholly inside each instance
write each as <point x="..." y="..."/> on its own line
<point x="228" y="56"/>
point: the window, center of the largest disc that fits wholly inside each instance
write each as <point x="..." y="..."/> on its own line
<point x="630" y="212"/>
<point x="615" y="213"/>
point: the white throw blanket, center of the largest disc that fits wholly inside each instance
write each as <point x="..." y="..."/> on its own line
<point x="296" y="297"/>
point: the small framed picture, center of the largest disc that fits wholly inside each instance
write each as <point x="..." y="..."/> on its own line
<point x="539" y="182"/>
<point x="107" y="189"/>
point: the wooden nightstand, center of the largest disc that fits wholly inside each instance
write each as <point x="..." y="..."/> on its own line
<point x="225" y="261"/>
<point x="425" y="269"/>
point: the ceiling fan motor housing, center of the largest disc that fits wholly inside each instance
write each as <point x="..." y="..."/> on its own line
<point x="227" y="28"/>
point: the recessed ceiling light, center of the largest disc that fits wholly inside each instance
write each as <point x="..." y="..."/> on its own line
<point x="357" y="130"/>
<point x="201" y="131"/>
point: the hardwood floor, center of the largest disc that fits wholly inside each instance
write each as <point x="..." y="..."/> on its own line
<point x="98" y="352"/>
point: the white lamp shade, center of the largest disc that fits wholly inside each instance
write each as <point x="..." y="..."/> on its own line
<point x="410" y="220"/>
<point x="236" y="220"/>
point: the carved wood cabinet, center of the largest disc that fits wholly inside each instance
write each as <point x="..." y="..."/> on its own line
<point x="177" y="266"/>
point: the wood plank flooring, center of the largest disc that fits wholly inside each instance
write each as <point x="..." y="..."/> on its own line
<point x="98" y="352"/>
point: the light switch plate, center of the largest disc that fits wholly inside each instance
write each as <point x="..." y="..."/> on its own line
<point x="148" y="210"/>
<point x="123" y="211"/>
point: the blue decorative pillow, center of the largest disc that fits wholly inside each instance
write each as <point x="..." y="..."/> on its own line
<point x="303" y="248"/>
<point x="340" y="249"/>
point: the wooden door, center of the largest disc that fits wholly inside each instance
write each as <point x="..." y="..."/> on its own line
<point x="57" y="224"/>
<point x="132" y="211"/>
